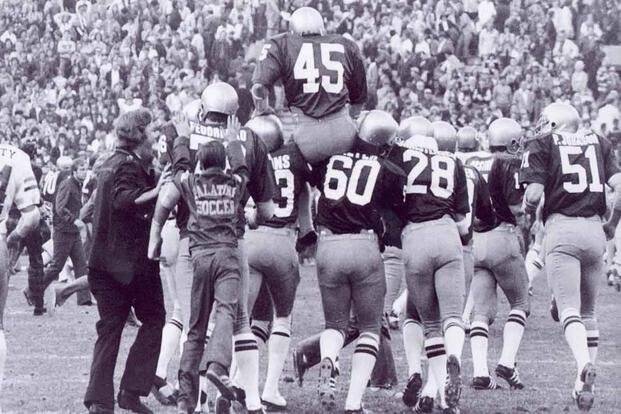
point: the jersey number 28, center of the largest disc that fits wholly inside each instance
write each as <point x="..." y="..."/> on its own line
<point x="305" y="68"/>
<point x="442" y="174"/>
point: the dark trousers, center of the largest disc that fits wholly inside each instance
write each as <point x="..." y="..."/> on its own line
<point x="216" y="284"/>
<point x="67" y="245"/>
<point x="33" y="242"/>
<point x="114" y="301"/>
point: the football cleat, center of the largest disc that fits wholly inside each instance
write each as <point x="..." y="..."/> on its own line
<point x="452" y="390"/>
<point x="326" y="387"/>
<point x="424" y="405"/>
<point x="554" y="310"/>
<point x="218" y="376"/>
<point x="164" y="392"/>
<point x="412" y="390"/>
<point x="511" y="375"/>
<point x="299" y="366"/>
<point x="485" y="383"/>
<point x="586" y="397"/>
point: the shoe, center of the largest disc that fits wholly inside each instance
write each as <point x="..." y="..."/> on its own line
<point x="511" y="375"/>
<point x="38" y="311"/>
<point x="299" y="366"/>
<point x="223" y="406"/>
<point x="163" y="392"/>
<point x="219" y="377"/>
<point x="485" y="383"/>
<point x="128" y="400"/>
<point x="586" y="397"/>
<point x="270" y="407"/>
<point x="412" y="390"/>
<point x="96" y="408"/>
<point x="424" y="405"/>
<point x="452" y="390"/>
<point x="449" y="410"/>
<point x="326" y="390"/>
<point x="554" y="310"/>
<point x="182" y="407"/>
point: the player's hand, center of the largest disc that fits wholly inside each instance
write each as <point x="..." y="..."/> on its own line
<point x="233" y="126"/>
<point x="307" y="253"/>
<point x="609" y="230"/>
<point x="165" y="177"/>
<point x="306" y="246"/>
<point x="155" y="248"/>
<point x="182" y="124"/>
<point x="14" y="241"/>
<point x="263" y="110"/>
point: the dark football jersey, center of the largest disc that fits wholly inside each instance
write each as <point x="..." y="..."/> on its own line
<point x="480" y="204"/>
<point x="213" y="198"/>
<point x="354" y="186"/>
<point x="291" y="173"/>
<point x="393" y="225"/>
<point x="504" y="186"/>
<point x="50" y="184"/>
<point x="320" y="74"/>
<point x="435" y="186"/>
<point x="261" y="186"/>
<point x="481" y="160"/>
<point x="573" y="168"/>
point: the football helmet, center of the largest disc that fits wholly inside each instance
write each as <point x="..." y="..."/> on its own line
<point x="192" y="110"/>
<point x="306" y="21"/>
<point x="445" y="135"/>
<point x="505" y="132"/>
<point x="557" y="117"/>
<point x="269" y="130"/>
<point x="467" y="139"/>
<point x="377" y="127"/>
<point x="415" y="125"/>
<point x="219" y="97"/>
<point x="421" y="141"/>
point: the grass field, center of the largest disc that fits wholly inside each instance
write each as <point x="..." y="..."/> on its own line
<point x="49" y="359"/>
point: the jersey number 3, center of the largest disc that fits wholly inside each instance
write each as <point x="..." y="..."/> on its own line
<point x="306" y="69"/>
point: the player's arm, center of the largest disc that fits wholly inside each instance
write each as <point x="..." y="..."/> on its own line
<point x="357" y="81"/>
<point x="63" y="196"/>
<point x="266" y="73"/>
<point x="613" y="177"/>
<point x="484" y="217"/>
<point x="166" y="202"/>
<point x="27" y="197"/>
<point x="534" y="173"/>
<point x="129" y="194"/>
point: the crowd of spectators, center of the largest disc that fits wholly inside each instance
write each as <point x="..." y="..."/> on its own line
<point x="67" y="68"/>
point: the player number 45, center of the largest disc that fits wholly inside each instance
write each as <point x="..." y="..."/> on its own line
<point x="305" y="68"/>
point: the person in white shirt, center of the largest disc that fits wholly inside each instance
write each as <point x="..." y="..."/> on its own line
<point x="563" y="18"/>
<point x="488" y="40"/>
<point x="564" y="48"/>
<point x="487" y="13"/>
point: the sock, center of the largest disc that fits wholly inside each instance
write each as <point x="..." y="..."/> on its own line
<point x="2" y="356"/>
<point x="202" y="392"/>
<point x="247" y="375"/>
<point x="399" y="305"/>
<point x="592" y="344"/>
<point x="479" y="333"/>
<point x="330" y="344"/>
<point x="512" y="337"/>
<point x="171" y="333"/>
<point x="261" y="330"/>
<point x="436" y="355"/>
<point x="468" y="307"/>
<point x="413" y="340"/>
<point x="278" y="350"/>
<point x="454" y="337"/>
<point x="431" y="388"/>
<point x="576" y="336"/>
<point x="362" y="363"/>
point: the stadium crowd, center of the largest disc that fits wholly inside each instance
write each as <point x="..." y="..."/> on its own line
<point x="67" y="69"/>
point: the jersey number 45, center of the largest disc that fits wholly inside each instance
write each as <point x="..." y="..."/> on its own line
<point x="329" y="75"/>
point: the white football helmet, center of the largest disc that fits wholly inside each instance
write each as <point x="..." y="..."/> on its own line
<point x="306" y="21"/>
<point x="219" y="97"/>
<point x="557" y="117"/>
<point x="445" y="135"/>
<point x="505" y="132"/>
<point x="377" y="127"/>
<point x="467" y="139"/>
<point x="269" y="130"/>
<point x="414" y="126"/>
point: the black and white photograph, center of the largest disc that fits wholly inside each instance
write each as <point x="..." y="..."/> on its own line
<point x="310" y="206"/>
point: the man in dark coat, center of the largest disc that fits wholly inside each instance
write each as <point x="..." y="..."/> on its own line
<point x="120" y="274"/>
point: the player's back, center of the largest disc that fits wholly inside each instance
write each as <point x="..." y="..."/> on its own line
<point x="481" y="160"/>
<point x="573" y="167"/>
<point x="479" y="202"/>
<point x="352" y="186"/>
<point x="291" y="173"/>
<point x="504" y="186"/>
<point x="320" y="73"/>
<point x="18" y="184"/>
<point x="436" y="184"/>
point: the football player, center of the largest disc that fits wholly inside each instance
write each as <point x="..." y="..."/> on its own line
<point x="272" y="246"/>
<point x="18" y="187"/>
<point x="498" y="261"/>
<point x="570" y="166"/>
<point x="321" y="74"/>
<point x="219" y="103"/>
<point x="436" y="203"/>
<point x="349" y="265"/>
<point x="468" y="148"/>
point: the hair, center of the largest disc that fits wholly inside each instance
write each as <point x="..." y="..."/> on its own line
<point x="78" y="162"/>
<point x="218" y="117"/>
<point x="211" y="154"/>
